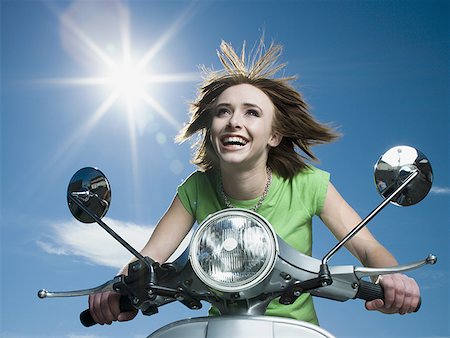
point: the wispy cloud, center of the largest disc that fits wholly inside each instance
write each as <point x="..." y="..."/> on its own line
<point x="93" y="244"/>
<point x="440" y="190"/>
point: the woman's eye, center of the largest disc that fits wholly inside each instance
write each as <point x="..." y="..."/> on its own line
<point x="221" y="111"/>
<point x="253" y="112"/>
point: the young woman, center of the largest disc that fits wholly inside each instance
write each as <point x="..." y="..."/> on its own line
<point x="254" y="132"/>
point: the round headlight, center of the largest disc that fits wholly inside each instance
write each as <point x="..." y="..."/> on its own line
<point x="233" y="250"/>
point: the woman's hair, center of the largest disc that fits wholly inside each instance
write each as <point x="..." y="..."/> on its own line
<point x="292" y="120"/>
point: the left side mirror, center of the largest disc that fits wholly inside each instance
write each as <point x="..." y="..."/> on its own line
<point x="90" y="187"/>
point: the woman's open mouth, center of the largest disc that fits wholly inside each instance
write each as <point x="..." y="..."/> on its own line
<point x="234" y="141"/>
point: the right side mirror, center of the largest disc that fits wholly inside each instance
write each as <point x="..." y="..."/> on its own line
<point x="395" y="166"/>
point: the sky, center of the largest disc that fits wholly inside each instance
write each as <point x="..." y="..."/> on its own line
<point x="378" y="70"/>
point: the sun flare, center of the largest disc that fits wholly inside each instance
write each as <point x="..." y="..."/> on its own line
<point x="97" y="35"/>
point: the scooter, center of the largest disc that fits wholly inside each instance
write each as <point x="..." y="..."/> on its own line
<point x="237" y="263"/>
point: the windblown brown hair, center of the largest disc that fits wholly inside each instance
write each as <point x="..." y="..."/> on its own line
<point x="292" y="120"/>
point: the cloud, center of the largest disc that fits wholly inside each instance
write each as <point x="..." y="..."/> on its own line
<point x="440" y="190"/>
<point x="92" y="243"/>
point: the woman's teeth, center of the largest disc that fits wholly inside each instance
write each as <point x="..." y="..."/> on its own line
<point x="234" y="141"/>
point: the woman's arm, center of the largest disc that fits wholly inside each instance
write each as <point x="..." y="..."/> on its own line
<point x="170" y="231"/>
<point x="401" y="292"/>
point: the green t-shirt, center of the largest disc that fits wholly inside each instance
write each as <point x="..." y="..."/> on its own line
<point x="289" y="207"/>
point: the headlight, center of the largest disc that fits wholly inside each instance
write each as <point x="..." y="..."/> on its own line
<point x="233" y="250"/>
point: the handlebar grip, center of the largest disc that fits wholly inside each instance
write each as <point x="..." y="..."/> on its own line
<point x="371" y="291"/>
<point x="86" y="317"/>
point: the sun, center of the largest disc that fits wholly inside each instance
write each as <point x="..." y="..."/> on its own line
<point x="98" y="36"/>
<point x="128" y="81"/>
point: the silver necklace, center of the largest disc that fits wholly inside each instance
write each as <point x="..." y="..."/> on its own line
<point x="261" y="199"/>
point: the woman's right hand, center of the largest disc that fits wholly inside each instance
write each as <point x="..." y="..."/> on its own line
<point x="105" y="309"/>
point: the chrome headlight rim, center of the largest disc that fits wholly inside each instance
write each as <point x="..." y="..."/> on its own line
<point x="258" y="277"/>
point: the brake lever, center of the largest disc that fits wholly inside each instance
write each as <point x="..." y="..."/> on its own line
<point x="361" y="272"/>
<point x="108" y="286"/>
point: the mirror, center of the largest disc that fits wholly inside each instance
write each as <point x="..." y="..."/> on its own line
<point x="90" y="187"/>
<point x="395" y="166"/>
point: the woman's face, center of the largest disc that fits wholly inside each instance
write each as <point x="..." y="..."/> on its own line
<point x="241" y="129"/>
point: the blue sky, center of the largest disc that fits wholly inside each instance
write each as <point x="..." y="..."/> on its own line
<point x="377" y="69"/>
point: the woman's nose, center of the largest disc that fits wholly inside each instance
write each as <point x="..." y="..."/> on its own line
<point x="235" y="120"/>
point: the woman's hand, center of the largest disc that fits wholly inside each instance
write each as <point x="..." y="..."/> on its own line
<point x="401" y="295"/>
<point x="105" y="309"/>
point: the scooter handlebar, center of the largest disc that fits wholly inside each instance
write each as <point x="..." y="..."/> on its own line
<point x="370" y="291"/>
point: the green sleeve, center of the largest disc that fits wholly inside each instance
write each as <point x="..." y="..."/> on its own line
<point x="187" y="193"/>
<point x="322" y="180"/>
<point x="198" y="195"/>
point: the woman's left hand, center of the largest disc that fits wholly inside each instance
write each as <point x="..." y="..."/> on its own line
<point x="401" y="295"/>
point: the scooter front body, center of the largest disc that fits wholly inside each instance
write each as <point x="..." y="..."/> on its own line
<point x="240" y="327"/>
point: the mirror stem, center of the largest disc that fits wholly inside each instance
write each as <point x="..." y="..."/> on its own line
<point x="363" y="223"/>
<point x="111" y="231"/>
